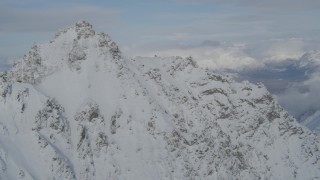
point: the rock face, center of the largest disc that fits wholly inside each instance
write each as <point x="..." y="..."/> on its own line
<point x="76" y="109"/>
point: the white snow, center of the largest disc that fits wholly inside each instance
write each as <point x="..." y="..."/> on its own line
<point x="85" y="112"/>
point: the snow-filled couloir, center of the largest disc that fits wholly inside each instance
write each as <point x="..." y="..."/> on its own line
<point x="75" y="108"/>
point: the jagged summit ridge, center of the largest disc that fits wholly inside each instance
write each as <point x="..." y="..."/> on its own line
<point x="69" y="48"/>
<point x="79" y="110"/>
<point x="82" y="28"/>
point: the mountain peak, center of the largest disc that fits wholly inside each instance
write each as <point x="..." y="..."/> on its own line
<point x="71" y="47"/>
<point x="84" y="29"/>
<point x="83" y="23"/>
<point x="76" y="109"/>
<point x="81" y="29"/>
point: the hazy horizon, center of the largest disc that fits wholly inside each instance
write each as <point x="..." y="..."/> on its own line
<point x="254" y="39"/>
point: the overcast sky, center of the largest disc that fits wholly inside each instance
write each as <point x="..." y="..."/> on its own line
<point x="243" y="35"/>
<point x="146" y="24"/>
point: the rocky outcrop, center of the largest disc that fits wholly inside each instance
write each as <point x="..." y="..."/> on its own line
<point x="76" y="109"/>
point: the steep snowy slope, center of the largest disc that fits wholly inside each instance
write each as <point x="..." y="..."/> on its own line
<point x="75" y="109"/>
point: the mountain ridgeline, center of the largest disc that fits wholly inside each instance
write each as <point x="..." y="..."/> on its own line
<point x="75" y="108"/>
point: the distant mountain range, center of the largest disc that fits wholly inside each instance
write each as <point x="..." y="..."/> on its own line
<point x="294" y="79"/>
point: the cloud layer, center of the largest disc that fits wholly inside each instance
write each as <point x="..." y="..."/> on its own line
<point x="210" y="54"/>
<point x="302" y="97"/>
<point x="259" y="40"/>
<point x="290" y="68"/>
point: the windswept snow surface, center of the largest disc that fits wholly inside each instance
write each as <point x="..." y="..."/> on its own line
<point x="76" y="109"/>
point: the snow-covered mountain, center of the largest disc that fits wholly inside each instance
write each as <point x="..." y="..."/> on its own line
<point x="295" y="82"/>
<point x="76" y="109"/>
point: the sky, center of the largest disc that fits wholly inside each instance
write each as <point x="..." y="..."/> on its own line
<point x="262" y="41"/>
<point x="142" y="26"/>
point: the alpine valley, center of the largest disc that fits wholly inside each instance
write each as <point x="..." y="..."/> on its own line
<point x="75" y="108"/>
